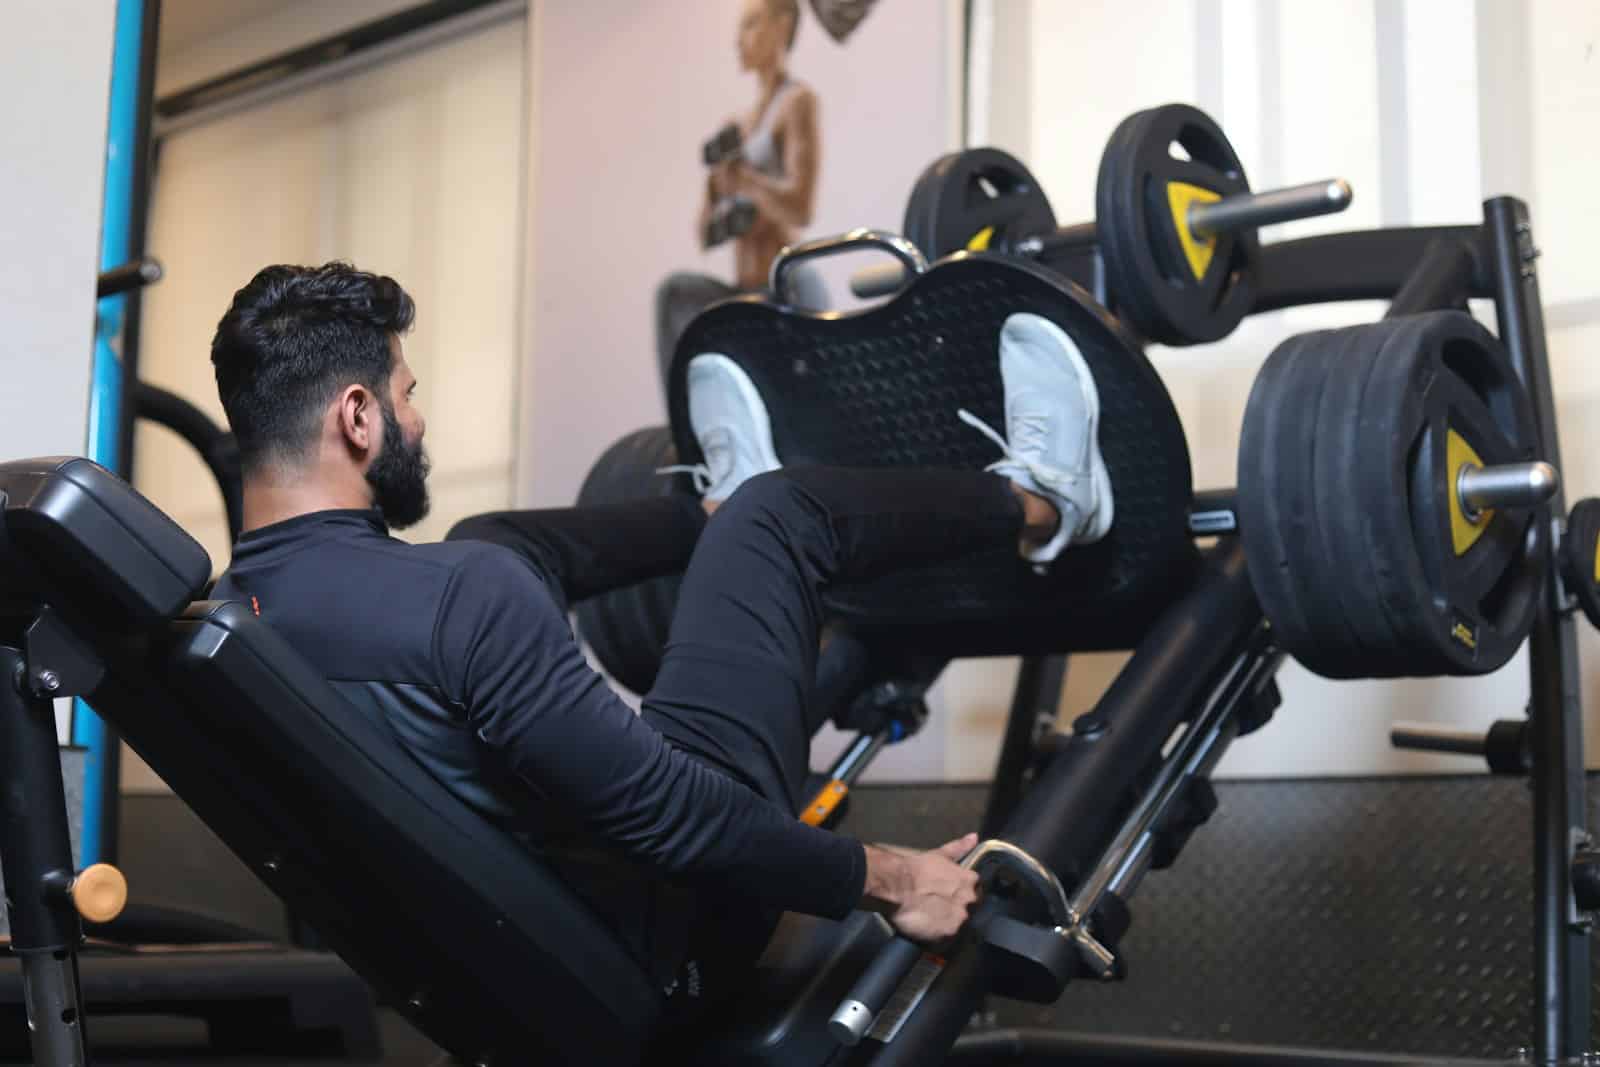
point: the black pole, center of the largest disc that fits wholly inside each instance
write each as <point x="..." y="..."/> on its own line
<point x="1555" y="707"/>
<point x="1034" y="702"/>
<point x="1441" y="279"/>
<point x="138" y="230"/>
<point x="1067" y="814"/>
<point x="1355" y="265"/>
<point x="138" y="222"/>
<point x="215" y="446"/>
<point x="36" y="853"/>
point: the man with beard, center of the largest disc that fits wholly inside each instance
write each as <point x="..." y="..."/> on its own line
<point x="679" y="823"/>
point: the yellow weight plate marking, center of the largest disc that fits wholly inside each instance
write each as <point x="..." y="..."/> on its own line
<point x="980" y="240"/>
<point x="1597" y="560"/>
<point x="1464" y="531"/>
<point x="1198" y="250"/>
<point x="1463" y="633"/>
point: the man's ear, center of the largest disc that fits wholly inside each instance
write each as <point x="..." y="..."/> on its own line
<point x="359" y="422"/>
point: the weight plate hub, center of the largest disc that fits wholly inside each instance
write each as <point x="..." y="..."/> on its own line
<point x="978" y="200"/>
<point x="1172" y="285"/>
<point x="1361" y="551"/>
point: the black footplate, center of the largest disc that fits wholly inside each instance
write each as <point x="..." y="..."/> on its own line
<point x="881" y="387"/>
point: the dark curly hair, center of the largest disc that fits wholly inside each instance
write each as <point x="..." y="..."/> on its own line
<point x="290" y="340"/>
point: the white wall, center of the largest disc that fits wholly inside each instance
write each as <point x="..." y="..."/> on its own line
<point x="1428" y="107"/>
<point x="55" y="66"/>
<point x="58" y="55"/>
<point x="412" y="168"/>
<point x="626" y="93"/>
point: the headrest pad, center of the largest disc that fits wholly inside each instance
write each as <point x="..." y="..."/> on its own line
<point x="70" y="528"/>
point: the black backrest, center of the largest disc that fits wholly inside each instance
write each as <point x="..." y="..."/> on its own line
<point x="880" y="387"/>
<point x="448" y="916"/>
<point x="78" y="535"/>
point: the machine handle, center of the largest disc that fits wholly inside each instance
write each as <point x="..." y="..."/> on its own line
<point x="854" y="1016"/>
<point x="880" y="280"/>
<point x="910" y="257"/>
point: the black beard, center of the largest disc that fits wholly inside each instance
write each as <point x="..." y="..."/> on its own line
<point x="399" y="476"/>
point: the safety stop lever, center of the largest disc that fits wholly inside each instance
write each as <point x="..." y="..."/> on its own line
<point x="894" y="715"/>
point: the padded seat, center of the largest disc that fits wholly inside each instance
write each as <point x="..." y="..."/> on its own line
<point x="449" y="917"/>
<point x="881" y="387"/>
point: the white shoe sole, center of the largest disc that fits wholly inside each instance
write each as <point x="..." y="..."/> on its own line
<point x="765" y="451"/>
<point x="1101" y="477"/>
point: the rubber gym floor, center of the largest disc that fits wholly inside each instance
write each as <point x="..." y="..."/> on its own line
<point x="1381" y="915"/>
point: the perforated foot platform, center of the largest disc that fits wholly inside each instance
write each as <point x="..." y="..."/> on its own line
<point x="881" y="388"/>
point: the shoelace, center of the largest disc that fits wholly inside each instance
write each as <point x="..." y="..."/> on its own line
<point x="699" y="472"/>
<point x="716" y="445"/>
<point x="1030" y="428"/>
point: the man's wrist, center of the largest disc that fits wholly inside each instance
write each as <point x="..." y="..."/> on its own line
<point x="886" y="876"/>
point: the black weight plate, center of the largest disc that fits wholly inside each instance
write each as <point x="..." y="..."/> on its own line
<point x="1142" y="234"/>
<point x="1276" y="501"/>
<point x="1580" y="556"/>
<point x="1457" y="611"/>
<point x="627" y="628"/>
<point x="1343" y="514"/>
<point x="1328" y="647"/>
<point x="1344" y="574"/>
<point x="962" y="195"/>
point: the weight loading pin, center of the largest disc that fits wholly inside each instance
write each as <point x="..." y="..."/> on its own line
<point x="1506" y="485"/>
<point x="1251" y="210"/>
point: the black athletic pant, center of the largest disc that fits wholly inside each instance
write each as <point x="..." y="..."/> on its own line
<point x="735" y="681"/>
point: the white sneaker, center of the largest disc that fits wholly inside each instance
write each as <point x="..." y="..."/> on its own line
<point x="1052" y="444"/>
<point x="730" y="421"/>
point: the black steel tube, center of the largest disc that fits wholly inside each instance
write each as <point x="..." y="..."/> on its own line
<point x="1078" y="237"/>
<point x="34" y="836"/>
<point x="1561" y="948"/>
<point x="872" y="990"/>
<point x="214" y="444"/>
<point x="36" y="843"/>
<point x="1036" y="698"/>
<point x="1067" y="813"/>
<point x="1442" y="278"/>
<point x="946" y="1008"/>
<point x="1037" y="1047"/>
<point x="110" y="776"/>
<point x="138" y="231"/>
<point x="1358" y="265"/>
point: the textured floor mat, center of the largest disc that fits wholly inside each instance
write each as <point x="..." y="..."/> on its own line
<point x="1378" y="915"/>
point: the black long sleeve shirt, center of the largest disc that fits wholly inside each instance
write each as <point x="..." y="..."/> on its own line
<point x="463" y="648"/>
